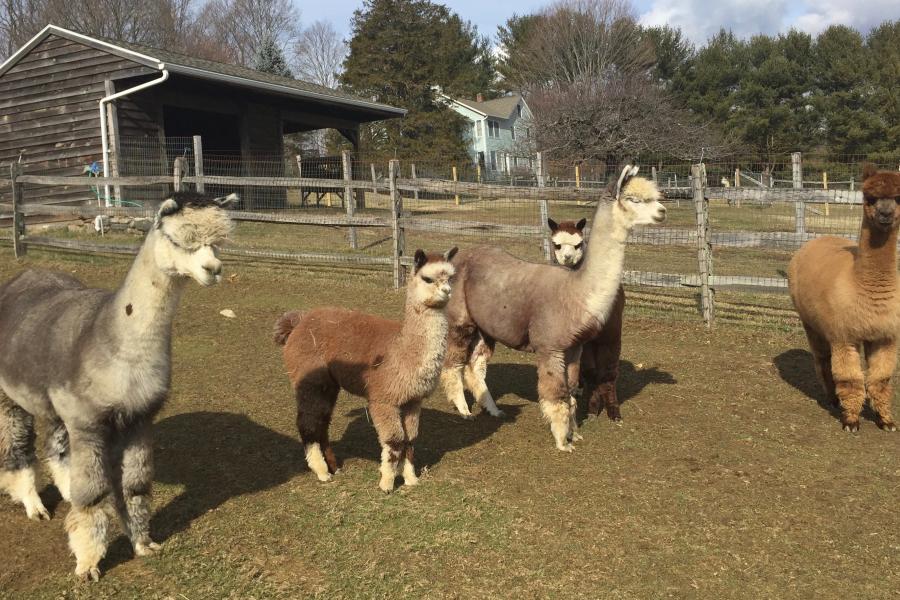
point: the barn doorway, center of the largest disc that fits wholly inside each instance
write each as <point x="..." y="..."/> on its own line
<point x="220" y="132"/>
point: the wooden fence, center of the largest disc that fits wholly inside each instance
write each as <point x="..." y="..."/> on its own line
<point x="703" y="280"/>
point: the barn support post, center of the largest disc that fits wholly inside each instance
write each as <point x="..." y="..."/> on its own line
<point x="178" y="173"/>
<point x="114" y="143"/>
<point x="348" y="196"/>
<point x="704" y="248"/>
<point x="299" y="159"/>
<point x="544" y="207"/>
<point x="198" y="164"/>
<point x="797" y="177"/>
<point x="455" y="178"/>
<point x="397" y="229"/>
<point x="19" y="248"/>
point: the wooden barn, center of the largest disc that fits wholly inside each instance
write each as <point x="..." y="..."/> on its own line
<point x="54" y="90"/>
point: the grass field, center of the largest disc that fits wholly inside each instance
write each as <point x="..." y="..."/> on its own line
<point x="727" y="478"/>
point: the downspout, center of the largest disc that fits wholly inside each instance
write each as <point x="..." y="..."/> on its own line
<point x="103" y="102"/>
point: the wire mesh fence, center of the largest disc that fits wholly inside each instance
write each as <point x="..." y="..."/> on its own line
<point x="748" y="216"/>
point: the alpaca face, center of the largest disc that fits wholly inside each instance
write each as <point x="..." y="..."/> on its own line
<point x="881" y="191"/>
<point x="568" y="241"/>
<point x="641" y="201"/>
<point x="189" y="228"/>
<point x="431" y="281"/>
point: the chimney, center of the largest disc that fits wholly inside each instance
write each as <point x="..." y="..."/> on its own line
<point x="479" y="97"/>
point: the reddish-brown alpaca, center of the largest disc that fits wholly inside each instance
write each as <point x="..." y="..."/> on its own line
<point x="393" y="365"/>
<point x="848" y="299"/>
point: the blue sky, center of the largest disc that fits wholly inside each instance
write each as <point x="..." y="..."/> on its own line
<point x="697" y="18"/>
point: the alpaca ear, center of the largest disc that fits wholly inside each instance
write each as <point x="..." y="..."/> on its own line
<point x="580" y="224"/>
<point x="449" y="254"/>
<point x="868" y="170"/>
<point x="553" y="225"/>
<point x="227" y="201"/>
<point x="168" y="207"/>
<point x="628" y="172"/>
<point x="419" y="259"/>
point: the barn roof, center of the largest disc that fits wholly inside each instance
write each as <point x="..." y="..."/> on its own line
<point x="206" y="69"/>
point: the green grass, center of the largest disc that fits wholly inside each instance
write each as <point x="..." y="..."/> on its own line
<point x="726" y="479"/>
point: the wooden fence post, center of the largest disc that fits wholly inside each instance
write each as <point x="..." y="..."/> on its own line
<point x="374" y="179"/>
<point x="397" y="230"/>
<point x="704" y="249"/>
<point x="544" y="207"/>
<point x="737" y="177"/>
<point x="825" y="187"/>
<point x="300" y="176"/>
<point x="348" y="196"/>
<point x="799" y="208"/>
<point x="412" y="170"/>
<point x="455" y="178"/>
<point x="18" y="229"/>
<point x="198" y="163"/>
<point x="654" y="176"/>
<point x="178" y="173"/>
<point x="578" y="175"/>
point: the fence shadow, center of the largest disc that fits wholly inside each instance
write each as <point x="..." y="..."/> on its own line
<point x="521" y="380"/>
<point x="797" y="368"/>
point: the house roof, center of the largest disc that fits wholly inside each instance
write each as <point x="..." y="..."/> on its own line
<point x="206" y="69"/>
<point x="501" y="108"/>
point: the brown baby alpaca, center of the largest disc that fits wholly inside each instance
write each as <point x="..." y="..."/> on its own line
<point x="847" y="297"/>
<point x="393" y="365"/>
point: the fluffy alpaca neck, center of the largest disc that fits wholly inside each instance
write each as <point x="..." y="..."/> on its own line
<point x="876" y="262"/>
<point x="422" y="341"/>
<point x="144" y="306"/>
<point x="600" y="273"/>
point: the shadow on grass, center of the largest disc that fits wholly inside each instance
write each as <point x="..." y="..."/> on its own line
<point x="521" y="380"/>
<point x="797" y="367"/>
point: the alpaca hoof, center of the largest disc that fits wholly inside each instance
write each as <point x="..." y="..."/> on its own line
<point x="410" y="481"/>
<point x="887" y="426"/>
<point x="467" y="417"/>
<point x="89" y="574"/>
<point x="324" y="477"/>
<point x="497" y="413"/>
<point x="577" y="437"/>
<point x="565" y="447"/>
<point x="37" y="513"/>
<point x="146" y="549"/>
<point x="852" y="427"/>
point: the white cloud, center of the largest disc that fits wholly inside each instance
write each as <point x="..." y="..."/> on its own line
<point x="701" y="19"/>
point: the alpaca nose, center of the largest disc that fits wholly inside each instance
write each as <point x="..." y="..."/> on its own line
<point x="214" y="268"/>
<point x="446" y="288"/>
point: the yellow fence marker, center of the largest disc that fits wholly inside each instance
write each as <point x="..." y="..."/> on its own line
<point x="577" y="176"/>
<point x="455" y="178"/>
<point x="825" y="187"/>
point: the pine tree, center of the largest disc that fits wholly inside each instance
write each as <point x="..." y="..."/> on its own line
<point x="399" y="51"/>
<point x="270" y="59"/>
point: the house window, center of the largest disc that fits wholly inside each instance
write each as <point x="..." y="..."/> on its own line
<point x="527" y="132"/>
<point x="477" y="129"/>
<point x="493" y="129"/>
<point x="512" y="132"/>
<point x="519" y="109"/>
<point x="493" y="160"/>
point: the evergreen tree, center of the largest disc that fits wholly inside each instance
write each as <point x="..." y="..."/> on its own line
<point x="512" y="38"/>
<point x="270" y="59"/>
<point x="399" y="51"/>
<point x="884" y="77"/>
<point x="673" y="52"/>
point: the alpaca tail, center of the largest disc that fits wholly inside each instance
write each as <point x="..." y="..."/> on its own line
<point x="285" y="325"/>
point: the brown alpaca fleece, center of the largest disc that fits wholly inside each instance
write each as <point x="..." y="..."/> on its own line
<point x="393" y="365"/>
<point x="847" y="297"/>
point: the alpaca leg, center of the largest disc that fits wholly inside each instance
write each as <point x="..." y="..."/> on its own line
<point x="58" y="458"/>
<point x="606" y="359"/>
<point x="135" y="487"/>
<point x="314" y="408"/>
<point x="474" y="375"/>
<point x="389" y="426"/>
<point x="882" y="359"/>
<point x="87" y="521"/>
<point x="821" y="351"/>
<point x="553" y="392"/>
<point x="411" y="414"/>
<point x="452" y="381"/>
<point x="573" y="370"/>
<point x="17" y="459"/>
<point x="849" y="383"/>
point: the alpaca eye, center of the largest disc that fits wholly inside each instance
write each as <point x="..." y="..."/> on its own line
<point x="557" y="246"/>
<point x="578" y="245"/>
<point x="427" y="279"/>
<point x="635" y="200"/>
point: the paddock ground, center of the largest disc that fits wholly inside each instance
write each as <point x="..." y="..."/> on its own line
<point x="727" y="479"/>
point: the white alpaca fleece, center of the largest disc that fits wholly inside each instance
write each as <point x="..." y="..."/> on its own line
<point x="641" y="187"/>
<point x="197" y="227"/>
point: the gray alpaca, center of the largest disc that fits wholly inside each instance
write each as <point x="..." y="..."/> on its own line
<point x="96" y="365"/>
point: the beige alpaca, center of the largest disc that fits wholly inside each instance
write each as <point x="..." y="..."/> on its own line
<point x="393" y="365"/>
<point x="847" y="297"/>
<point x="546" y="309"/>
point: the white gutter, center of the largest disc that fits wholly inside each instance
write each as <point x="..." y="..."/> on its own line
<point x="103" y="102"/>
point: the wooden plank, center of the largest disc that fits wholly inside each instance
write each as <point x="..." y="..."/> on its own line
<point x="19" y="249"/>
<point x="82" y="181"/>
<point x="52" y="69"/>
<point x="72" y="80"/>
<point x="58" y="97"/>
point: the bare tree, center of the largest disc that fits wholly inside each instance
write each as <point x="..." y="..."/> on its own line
<point x="243" y="26"/>
<point x="586" y="67"/>
<point x="19" y="21"/>
<point x="318" y="54"/>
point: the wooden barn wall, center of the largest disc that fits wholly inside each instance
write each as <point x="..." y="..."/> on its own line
<point x="49" y="111"/>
